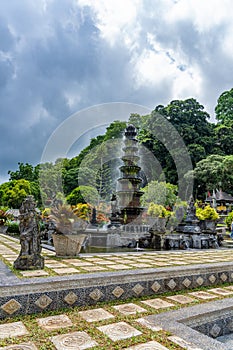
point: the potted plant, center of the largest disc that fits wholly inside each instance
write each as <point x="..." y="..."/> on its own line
<point x="69" y="231"/>
<point x="158" y="216"/>
<point x="208" y="218"/>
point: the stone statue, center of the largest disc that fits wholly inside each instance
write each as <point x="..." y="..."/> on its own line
<point x="114" y="205"/>
<point x="30" y="237"/>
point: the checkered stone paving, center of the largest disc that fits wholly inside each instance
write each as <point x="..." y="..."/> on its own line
<point x="95" y="315"/>
<point x="14" y="329"/>
<point x="129" y="309"/>
<point x="119" y="331"/>
<point x="152" y="345"/>
<point x="9" y="249"/>
<point x="75" y="340"/>
<point x="54" y="322"/>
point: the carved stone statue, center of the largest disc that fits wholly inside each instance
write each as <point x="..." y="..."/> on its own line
<point x="30" y="237"/>
<point x="114" y="205"/>
<point x="115" y="219"/>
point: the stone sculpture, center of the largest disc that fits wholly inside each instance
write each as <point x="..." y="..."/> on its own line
<point x="30" y="237"/>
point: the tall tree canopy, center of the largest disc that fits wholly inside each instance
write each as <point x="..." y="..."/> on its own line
<point x="224" y="108"/>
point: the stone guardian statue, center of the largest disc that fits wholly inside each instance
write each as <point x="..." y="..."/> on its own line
<point x="30" y="237"/>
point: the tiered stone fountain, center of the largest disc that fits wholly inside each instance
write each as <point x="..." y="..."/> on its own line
<point x="129" y="183"/>
<point x="126" y="227"/>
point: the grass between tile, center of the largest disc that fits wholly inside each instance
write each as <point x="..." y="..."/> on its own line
<point x="41" y="338"/>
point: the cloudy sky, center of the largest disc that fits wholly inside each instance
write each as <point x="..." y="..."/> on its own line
<point x="58" y="57"/>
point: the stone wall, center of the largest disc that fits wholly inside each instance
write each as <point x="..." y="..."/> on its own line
<point x="35" y="295"/>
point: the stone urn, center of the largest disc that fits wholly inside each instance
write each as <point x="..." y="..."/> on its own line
<point x="69" y="244"/>
<point x="158" y="224"/>
<point x="208" y="225"/>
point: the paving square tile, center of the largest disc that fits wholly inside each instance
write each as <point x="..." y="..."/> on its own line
<point x="65" y="270"/>
<point x="75" y="340"/>
<point x="161" y="264"/>
<point x="22" y="346"/>
<point x="221" y="291"/>
<point x="93" y="268"/>
<point x="54" y="265"/>
<point x="119" y="267"/>
<point x="129" y="259"/>
<point x="151" y="345"/>
<point x="129" y="309"/>
<point x="203" y="295"/>
<point x="118" y="331"/>
<point x="104" y="255"/>
<point x="105" y="262"/>
<point x="14" y="329"/>
<point x="54" y="322"/>
<point x="147" y="261"/>
<point x="181" y="299"/>
<point x="81" y="263"/>
<point x="157" y="303"/>
<point x="182" y="343"/>
<point x="178" y="262"/>
<point x="229" y="287"/>
<point x="35" y="273"/>
<point x="116" y="259"/>
<point x="119" y="261"/>
<point x="95" y="315"/>
<point x="93" y="259"/>
<point x="139" y="265"/>
<point x="144" y="322"/>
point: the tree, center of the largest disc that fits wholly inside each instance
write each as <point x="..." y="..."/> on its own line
<point x="83" y="194"/>
<point x="224" y="108"/>
<point x="161" y="193"/>
<point x="13" y="193"/>
<point x="51" y="179"/>
<point x="224" y="138"/>
<point x="214" y="172"/>
<point x="26" y="171"/>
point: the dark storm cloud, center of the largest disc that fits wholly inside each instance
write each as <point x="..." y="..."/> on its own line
<point x="60" y="56"/>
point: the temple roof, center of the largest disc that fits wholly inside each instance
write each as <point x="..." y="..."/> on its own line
<point x="220" y="196"/>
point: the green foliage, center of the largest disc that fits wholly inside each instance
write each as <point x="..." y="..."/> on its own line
<point x="26" y="171"/>
<point x="12" y="193"/>
<point x="224" y="108"/>
<point x="213" y="172"/>
<point x="83" y="211"/>
<point x="208" y="213"/>
<point x="51" y="176"/>
<point x="229" y="219"/>
<point x="160" y="193"/>
<point x="157" y="210"/>
<point x="12" y="227"/>
<point x="83" y="194"/>
<point x="115" y="130"/>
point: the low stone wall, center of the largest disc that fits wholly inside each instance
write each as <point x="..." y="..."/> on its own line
<point x="198" y="327"/>
<point x="35" y="295"/>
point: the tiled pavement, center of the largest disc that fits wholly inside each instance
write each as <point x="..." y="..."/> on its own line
<point x="108" y="326"/>
<point x="116" y="325"/>
<point x="86" y="263"/>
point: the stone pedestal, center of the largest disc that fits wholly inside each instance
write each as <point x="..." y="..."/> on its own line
<point x="29" y="262"/>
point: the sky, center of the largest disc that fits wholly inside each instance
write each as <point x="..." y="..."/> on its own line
<point x="58" y="57"/>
